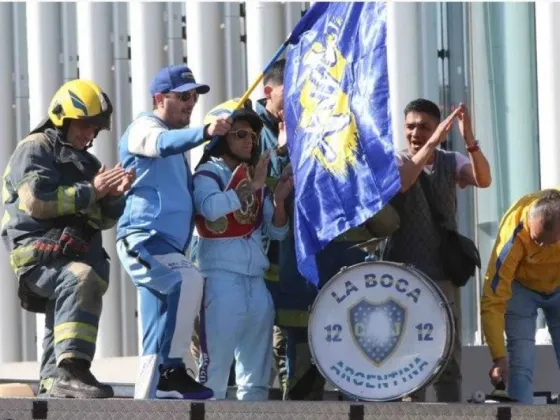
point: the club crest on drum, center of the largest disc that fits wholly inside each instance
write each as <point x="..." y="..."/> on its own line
<point x="377" y="328"/>
<point x="385" y="281"/>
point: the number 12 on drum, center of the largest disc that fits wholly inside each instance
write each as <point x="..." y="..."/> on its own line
<point x="424" y="331"/>
<point x="333" y="332"/>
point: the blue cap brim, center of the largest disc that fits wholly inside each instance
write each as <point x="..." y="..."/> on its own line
<point x="202" y="89"/>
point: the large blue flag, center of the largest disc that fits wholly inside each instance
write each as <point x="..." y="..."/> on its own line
<point x="338" y="122"/>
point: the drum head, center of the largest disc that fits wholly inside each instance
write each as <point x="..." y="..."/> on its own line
<point x="379" y="331"/>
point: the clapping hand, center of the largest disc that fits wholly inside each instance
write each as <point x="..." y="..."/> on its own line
<point x="285" y="185"/>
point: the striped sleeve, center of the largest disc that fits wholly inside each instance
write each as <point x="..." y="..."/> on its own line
<point x="148" y="138"/>
<point x="37" y="182"/>
<point x="508" y="251"/>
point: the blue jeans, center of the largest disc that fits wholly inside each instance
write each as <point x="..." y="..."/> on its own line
<point x="521" y="326"/>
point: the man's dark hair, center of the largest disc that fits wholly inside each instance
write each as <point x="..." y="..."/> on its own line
<point x="275" y="75"/>
<point x="548" y="207"/>
<point x="424" y="106"/>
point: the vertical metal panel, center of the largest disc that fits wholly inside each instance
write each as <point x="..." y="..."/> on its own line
<point x="10" y="320"/>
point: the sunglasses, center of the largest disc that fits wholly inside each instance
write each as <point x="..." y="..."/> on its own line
<point x="242" y="134"/>
<point x="183" y="96"/>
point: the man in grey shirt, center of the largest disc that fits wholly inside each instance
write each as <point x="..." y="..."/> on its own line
<point x="417" y="241"/>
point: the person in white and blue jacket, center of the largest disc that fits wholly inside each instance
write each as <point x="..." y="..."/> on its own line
<point x="156" y="228"/>
<point x="233" y="211"/>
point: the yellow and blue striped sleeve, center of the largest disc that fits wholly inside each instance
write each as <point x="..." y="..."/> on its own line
<point x="106" y="212"/>
<point x="37" y="182"/>
<point x="507" y="253"/>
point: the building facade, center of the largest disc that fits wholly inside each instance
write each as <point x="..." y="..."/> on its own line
<point x="483" y="54"/>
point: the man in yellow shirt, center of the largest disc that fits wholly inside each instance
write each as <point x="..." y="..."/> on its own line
<point x="523" y="275"/>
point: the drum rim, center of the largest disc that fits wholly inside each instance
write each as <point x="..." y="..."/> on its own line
<point x="443" y="359"/>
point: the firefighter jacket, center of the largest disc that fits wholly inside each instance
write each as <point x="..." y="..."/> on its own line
<point x="45" y="184"/>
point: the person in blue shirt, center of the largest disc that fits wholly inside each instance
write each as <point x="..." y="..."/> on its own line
<point x="156" y="228"/>
<point x="233" y="211"/>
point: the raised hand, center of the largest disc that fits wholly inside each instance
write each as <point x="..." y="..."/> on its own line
<point x="283" y="188"/>
<point x="220" y="126"/>
<point x="465" y="125"/>
<point x="444" y="127"/>
<point x="125" y="185"/>
<point x="107" y="179"/>
<point x="260" y="172"/>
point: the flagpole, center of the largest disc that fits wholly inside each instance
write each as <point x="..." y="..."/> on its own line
<point x="261" y="76"/>
<point x="298" y="30"/>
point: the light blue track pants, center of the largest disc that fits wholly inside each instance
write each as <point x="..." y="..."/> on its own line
<point x="236" y="322"/>
<point x="169" y="297"/>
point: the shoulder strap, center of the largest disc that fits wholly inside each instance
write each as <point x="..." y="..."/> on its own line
<point x="427" y="188"/>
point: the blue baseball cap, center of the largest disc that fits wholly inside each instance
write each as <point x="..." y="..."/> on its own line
<point x="176" y="78"/>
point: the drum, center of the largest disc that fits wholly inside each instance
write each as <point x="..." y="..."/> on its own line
<point x="378" y="331"/>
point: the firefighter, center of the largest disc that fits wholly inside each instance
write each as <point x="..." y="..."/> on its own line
<point x="57" y="200"/>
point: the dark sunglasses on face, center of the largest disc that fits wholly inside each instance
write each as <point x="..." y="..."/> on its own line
<point x="242" y="134"/>
<point x="183" y="96"/>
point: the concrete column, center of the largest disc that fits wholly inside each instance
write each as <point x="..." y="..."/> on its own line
<point x="265" y="34"/>
<point x="148" y="56"/>
<point x="69" y="41"/>
<point x="205" y="55"/>
<point x="429" y="38"/>
<point x="21" y="86"/>
<point x="10" y="320"/>
<point x="520" y="99"/>
<point x="96" y="61"/>
<point x="292" y="15"/>
<point x="45" y="77"/>
<point x="235" y="73"/>
<point x="148" y="53"/>
<point x="404" y="49"/>
<point x="548" y="69"/>
<point x="123" y="104"/>
<point x="174" y="31"/>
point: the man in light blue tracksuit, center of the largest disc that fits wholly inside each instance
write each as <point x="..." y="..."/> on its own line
<point x="156" y="227"/>
<point x="233" y="209"/>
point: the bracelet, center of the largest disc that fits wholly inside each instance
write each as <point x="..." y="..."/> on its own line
<point x="473" y="148"/>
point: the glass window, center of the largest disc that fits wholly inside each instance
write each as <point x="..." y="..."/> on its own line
<point x="504" y="106"/>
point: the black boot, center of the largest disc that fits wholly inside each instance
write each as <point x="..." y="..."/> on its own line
<point x="176" y="383"/>
<point x="74" y="380"/>
<point x="45" y="385"/>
